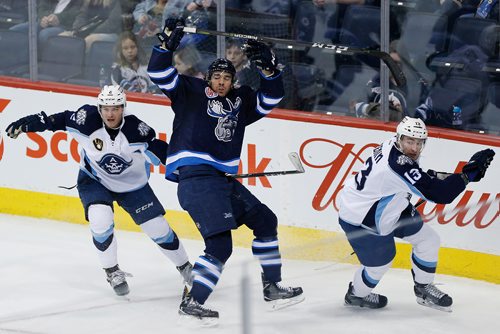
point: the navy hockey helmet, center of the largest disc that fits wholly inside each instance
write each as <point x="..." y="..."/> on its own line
<point x="220" y="65"/>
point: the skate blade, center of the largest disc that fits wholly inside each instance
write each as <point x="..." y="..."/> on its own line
<point x="434" y="306"/>
<point x="190" y="321"/>
<point x="278" y="304"/>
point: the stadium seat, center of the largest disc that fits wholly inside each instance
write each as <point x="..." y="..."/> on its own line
<point x="101" y="53"/>
<point x="490" y="117"/>
<point x="361" y="27"/>
<point x="309" y="84"/>
<point x="473" y="31"/>
<point x="350" y="84"/>
<point x="61" y="58"/>
<point x="459" y="91"/>
<point x="14" y="53"/>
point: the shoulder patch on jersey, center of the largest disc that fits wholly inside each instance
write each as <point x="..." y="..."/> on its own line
<point x="113" y="164"/>
<point x="403" y="160"/>
<point x="143" y="129"/>
<point x="210" y="93"/>
<point x="81" y="116"/>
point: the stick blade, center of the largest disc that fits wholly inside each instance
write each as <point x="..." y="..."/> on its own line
<point x="295" y="159"/>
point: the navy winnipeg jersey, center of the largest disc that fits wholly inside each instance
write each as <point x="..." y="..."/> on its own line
<point x="375" y="197"/>
<point x="207" y="128"/>
<point x="118" y="159"/>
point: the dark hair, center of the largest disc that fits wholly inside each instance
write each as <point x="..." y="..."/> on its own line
<point x="220" y="64"/>
<point x="141" y="54"/>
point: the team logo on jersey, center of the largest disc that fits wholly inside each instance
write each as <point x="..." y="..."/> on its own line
<point x="81" y="116"/>
<point x="227" y="118"/>
<point x="403" y="159"/>
<point x="210" y="93"/>
<point x="113" y="164"/>
<point x="143" y="129"/>
<point x="98" y="144"/>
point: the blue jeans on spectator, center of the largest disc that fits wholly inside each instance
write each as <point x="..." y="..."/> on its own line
<point x="43" y="33"/>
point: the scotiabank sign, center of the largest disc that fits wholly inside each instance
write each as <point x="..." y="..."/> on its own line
<point x="330" y="154"/>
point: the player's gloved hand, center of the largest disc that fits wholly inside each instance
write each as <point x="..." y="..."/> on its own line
<point x="31" y="123"/>
<point x="478" y="164"/>
<point x="261" y="55"/>
<point x="172" y="33"/>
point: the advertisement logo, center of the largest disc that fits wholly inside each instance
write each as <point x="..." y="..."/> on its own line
<point x="3" y="104"/>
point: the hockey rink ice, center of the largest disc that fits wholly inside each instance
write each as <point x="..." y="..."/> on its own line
<point x="51" y="282"/>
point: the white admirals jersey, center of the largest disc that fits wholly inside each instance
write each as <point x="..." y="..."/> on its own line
<point x="207" y="128"/>
<point x="119" y="159"/>
<point x="375" y="197"/>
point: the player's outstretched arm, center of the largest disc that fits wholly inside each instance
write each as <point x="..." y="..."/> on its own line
<point x="32" y="123"/>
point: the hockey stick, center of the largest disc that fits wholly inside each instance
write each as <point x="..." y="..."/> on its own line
<point x="294" y="158"/>
<point x="398" y="74"/>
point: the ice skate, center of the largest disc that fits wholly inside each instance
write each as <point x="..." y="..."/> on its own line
<point x="185" y="271"/>
<point x="429" y="295"/>
<point x="194" y="314"/>
<point x="280" y="297"/>
<point x="116" y="278"/>
<point x="373" y="300"/>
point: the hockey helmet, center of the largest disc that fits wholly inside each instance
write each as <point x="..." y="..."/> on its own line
<point x="222" y="65"/>
<point x="111" y="96"/>
<point x="412" y="127"/>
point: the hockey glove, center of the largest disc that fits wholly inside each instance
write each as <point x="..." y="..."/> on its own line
<point x="478" y="164"/>
<point x="261" y="55"/>
<point x="31" y="123"/>
<point x="172" y="33"/>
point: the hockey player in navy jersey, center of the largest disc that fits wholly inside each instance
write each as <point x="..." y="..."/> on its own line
<point x="116" y="151"/>
<point x="374" y="207"/>
<point x="208" y="129"/>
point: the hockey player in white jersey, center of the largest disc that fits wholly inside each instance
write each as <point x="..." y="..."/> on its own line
<point x="116" y="152"/>
<point x="374" y="207"/>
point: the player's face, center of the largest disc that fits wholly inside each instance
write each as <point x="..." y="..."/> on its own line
<point x="221" y="83"/>
<point x="411" y="147"/>
<point x="129" y="50"/>
<point x="112" y="116"/>
<point x="235" y="55"/>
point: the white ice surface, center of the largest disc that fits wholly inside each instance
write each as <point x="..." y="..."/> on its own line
<point x="51" y="282"/>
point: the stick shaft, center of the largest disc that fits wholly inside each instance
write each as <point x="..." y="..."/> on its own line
<point x="341" y="49"/>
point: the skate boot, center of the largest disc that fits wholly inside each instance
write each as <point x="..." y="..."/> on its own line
<point x="280" y="297"/>
<point x="373" y="300"/>
<point x="193" y="312"/>
<point x="185" y="271"/>
<point x="429" y="295"/>
<point x="116" y="278"/>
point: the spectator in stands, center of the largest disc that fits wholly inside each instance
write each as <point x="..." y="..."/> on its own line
<point x="54" y="17"/>
<point x="245" y="73"/>
<point x="187" y="61"/>
<point x="130" y="68"/>
<point x="148" y="18"/>
<point x="397" y="95"/>
<point x="98" y="20"/>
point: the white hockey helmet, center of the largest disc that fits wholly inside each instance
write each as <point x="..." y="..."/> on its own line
<point x="111" y="96"/>
<point x="412" y="127"/>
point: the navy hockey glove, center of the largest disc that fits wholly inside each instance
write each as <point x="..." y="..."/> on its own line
<point x="172" y="33"/>
<point x="31" y="123"/>
<point x="478" y="164"/>
<point x="261" y="55"/>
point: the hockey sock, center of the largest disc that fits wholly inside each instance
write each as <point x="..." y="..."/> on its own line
<point x="160" y="232"/>
<point x="367" y="278"/>
<point x="101" y="226"/>
<point x="425" y="254"/>
<point x="206" y="272"/>
<point x="267" y="251"/>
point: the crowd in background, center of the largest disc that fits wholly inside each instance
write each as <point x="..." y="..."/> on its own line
<point x="448" y="50"/>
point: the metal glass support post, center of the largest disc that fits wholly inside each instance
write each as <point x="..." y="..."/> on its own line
<point x="33" y="39"/>
<point x="221" y="26"/>
<point x="384" y="71"/>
